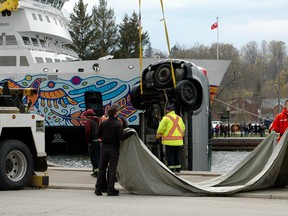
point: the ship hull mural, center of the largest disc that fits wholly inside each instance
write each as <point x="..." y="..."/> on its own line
<point x="62" y="101"/>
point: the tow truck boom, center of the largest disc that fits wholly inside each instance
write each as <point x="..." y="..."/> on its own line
<point x="13" y="96"/>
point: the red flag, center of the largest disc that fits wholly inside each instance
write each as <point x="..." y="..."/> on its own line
<point x="214" y="25"/>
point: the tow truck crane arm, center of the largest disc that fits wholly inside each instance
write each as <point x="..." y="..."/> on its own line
<point x="12" y="97"/>
<point x="7" y="6"/>
<point x="20" y="91"/>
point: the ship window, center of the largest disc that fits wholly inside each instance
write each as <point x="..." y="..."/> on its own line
<point x="55" y="3"/>
<point x="35" y="42"/>
<point x="40" y="17"/>
<point x="34" y="16"/>
<point x="60" y="23"/>
<point x="26" y="40"/>
<point x="57" y="60"/>
<point x="60" y="4"/>
<point x="1" y="40"/>
<point x="8" y="60"/>
<point x="42" y="42"/>
<point x="47" y="18"/>
<point x="50" y="2"/>
<point x="11" y="40"/>
<point x="48" y="60"/>
<point x="23" y="61"/>
<point x="39" y="60"/>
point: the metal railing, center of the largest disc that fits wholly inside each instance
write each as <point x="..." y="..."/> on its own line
<point x="48" y="48"/>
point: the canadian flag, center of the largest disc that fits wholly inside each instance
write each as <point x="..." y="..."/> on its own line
<point x="214" y="25"/>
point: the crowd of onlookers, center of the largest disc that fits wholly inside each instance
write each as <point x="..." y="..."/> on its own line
<point x="244" y="130"/>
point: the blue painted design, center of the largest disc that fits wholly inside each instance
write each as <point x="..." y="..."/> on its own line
<point x="114" y="94"/>
<point x="100" y="82"/>
<point x="61" y="111"/>
<point x="132" y="119"/>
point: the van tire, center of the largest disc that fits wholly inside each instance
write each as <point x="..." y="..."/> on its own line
<point x="136" y="98"/>
<point x="187" y="93"/>
<point x="162" y="77"/>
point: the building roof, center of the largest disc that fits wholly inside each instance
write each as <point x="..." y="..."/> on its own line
<point x="270" y="103"/>
<point x="247" y="100"/>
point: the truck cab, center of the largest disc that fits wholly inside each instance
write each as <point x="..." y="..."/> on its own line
<point x="22" y="139"/>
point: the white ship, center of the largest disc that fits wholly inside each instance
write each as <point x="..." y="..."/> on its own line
<point x="34" y="53"/>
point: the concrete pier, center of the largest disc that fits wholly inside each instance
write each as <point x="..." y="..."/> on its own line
<point x="235" y="143"/>
<point x="80" y="179"/>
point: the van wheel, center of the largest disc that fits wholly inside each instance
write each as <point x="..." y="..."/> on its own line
<point x="16" y="165"/>
<point x="162" y="77"/>
<point x="136" y="98"/>
<point x="187" y="93"/>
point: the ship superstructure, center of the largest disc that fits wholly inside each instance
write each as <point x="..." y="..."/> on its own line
<point x="36" y="33"/>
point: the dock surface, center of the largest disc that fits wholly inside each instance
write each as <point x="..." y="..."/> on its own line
<point x="81" y="179"/>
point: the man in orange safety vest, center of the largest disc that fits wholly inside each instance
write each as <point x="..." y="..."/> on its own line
<point x="171" y="129"/>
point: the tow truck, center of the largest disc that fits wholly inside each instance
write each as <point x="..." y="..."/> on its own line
<point x="22" y="139"/>
<point x="7" y="6"/>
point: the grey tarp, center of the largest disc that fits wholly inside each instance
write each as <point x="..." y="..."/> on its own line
<point x="140" y="172"/>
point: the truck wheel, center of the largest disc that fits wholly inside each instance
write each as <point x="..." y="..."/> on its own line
<point x="162" y="77"/>
<point x="187" y="93"/>
<point x="16" y="165"/>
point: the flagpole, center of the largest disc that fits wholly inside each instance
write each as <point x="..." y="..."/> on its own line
<point x="217" y="38"/>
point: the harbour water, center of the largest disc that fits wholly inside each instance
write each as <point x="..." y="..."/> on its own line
<point x="222" y="161"/>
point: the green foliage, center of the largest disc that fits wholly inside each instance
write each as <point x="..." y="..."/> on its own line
<point x="105" y="36"/>
<point x="80" y="30"/>
<point x="129" y="37"/>
<point x="97" y="35"/>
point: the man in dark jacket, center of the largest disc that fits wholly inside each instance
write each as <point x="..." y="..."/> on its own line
<point x="91" y="126"/>
<point x="111" y="132"/>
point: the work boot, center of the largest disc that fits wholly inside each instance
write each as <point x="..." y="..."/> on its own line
<point x="177" y="170"/>
<point x="98" y="192"/>
<point x="113" y="192"/>
<point x="94" y="174"/>
<point x="116" y="191"/>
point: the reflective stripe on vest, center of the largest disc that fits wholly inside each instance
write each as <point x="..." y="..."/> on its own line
<point x="173" y="129"/>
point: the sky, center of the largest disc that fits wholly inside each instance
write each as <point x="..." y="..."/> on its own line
<point x="189" y="21"/>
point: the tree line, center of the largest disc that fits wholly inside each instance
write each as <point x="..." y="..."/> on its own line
<point x="257" y="71"/>
<point x="96" y="35"/>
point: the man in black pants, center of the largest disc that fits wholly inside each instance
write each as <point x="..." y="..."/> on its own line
<point x="111" y="132"/>
<point x="91" y="126"/>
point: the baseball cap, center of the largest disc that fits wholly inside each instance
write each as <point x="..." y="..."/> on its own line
<point x="89" y="112"/>
<point x="170" y="107"/>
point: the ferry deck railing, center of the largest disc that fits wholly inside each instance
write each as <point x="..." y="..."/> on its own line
<point x="59" y="49"/>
